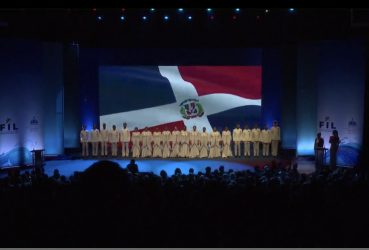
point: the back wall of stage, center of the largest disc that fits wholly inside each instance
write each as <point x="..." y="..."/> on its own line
<point x="50" y="89"/>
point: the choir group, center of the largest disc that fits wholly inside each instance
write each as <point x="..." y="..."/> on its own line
<point x="181" y="143"/>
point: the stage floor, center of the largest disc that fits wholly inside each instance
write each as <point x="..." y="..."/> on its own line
<point x="67" y="167"/>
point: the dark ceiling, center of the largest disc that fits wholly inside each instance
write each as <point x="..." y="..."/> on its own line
<point x="219" y="27"/>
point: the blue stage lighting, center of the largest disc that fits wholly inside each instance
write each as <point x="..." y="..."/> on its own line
<point x="144" y="18"/>
<point x="166" y="17"/>
<point x="152" y="9"/>
<point x="99" y="18"/>
<point x="237" y="9"/>
<point x="208" y="10"/>
<point x="189" y="17"/>
<point x="122" y="18"/>
<point x="291" y="10"/>
<point x="180" y="10"/>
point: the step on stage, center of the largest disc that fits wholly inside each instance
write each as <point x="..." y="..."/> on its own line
<point x="155" y="165"/>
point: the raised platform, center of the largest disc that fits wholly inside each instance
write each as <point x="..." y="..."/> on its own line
<point x="67" y="165"/>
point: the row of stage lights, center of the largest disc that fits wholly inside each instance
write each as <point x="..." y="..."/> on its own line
<point x="189" y="17"/>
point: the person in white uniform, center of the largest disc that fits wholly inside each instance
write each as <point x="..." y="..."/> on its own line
<point x="157" y="138"/>
<point x="84" y="138"/>
<point x="215" y="139"/>
<point x="184" y="140"/>
<point x="255" y="137"/>
<point x="174" y="141"/>
<point x="246" y="138"/>
<point x="146" y="143"/>
<point x="104" y="139"/>
<point x="113" y="139"/>
<point x="136" y="138"/>
<point x="204" y="143"/>
<point x="237" y="138"/>
<point x="95" y="138"/>
<point x="276" y="137"/>
<point x="124" y="138"/>
<point x="226" y="139"/>
<point x="166" y="143"/>
<point x="194" y="143"/>
<point x="265" y="138"/>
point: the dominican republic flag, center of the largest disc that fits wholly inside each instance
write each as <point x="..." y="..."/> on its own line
<point x="168" y="96"/>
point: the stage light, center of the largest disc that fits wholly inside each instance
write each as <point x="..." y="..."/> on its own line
<point x="94" y="9"/>
<point x="208" y="10"/>
<point x="144" y="18"/>
<point x="99" y="18"/>
<point x="122" y="18"/>
<point x="237" y="9"/>
<point x="152" y="9"/>
<point x="266" y="11"/>
<point x="291" y="10"/>
<point x="180" y="10"/>
<point x="166" y="18"/>
<point x="189" y="17"/>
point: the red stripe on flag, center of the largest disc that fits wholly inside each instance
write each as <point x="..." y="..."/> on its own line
<point x="244" y="81"/>
<point x="170" y="126"/>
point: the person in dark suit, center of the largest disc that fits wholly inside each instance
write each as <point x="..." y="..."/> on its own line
<point x="319" y="149"/>
<point x="132" y="167"/>
<point x="334" y="140"/>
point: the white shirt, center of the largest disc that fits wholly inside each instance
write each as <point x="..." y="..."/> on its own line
<point x="136" y="135"/>
<point x="166" y="136"/>
<point x="276" y="133"/>
<point x="215" y="138"/>
<point x="95" y="135"/>
<point x="226" y="137"/>
<point x="184" y="137"/>
<point x="255" y="134"/>
<point x="157" y="137"/>
<point x="113" y="136"/>
<point x="265" y="136"/>
<point x="246" y="135"/>
<point x="175" y="136"/>
<point x="204" y="138"/>
<point x="104" y="135"/>
<point x="125" y="135"/>
<point x="237" y="134"/>
<point x="84" y="136"/>
<point x="194" y="137"/>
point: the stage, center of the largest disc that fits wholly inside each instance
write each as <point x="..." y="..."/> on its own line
<point x="68" y="165"/>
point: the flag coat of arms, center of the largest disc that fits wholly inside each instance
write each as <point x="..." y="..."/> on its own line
<point x="169" y="96"/>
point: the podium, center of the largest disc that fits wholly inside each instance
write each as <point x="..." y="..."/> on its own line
<point x="38" y="157"/>
<point x="320" y="156"/>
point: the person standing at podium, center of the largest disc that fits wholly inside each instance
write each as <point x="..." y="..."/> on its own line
<point x="335" y="141"/>
<point x="319" y="149"/>
<point x="84" y="140"/>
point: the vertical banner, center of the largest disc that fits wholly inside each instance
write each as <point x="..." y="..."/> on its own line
<point x="340" y="87"/>
<point x="21" y="101"/>
<point x="18" y="136"/>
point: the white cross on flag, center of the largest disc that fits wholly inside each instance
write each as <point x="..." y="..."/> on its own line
<point x="168" y="96"/>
